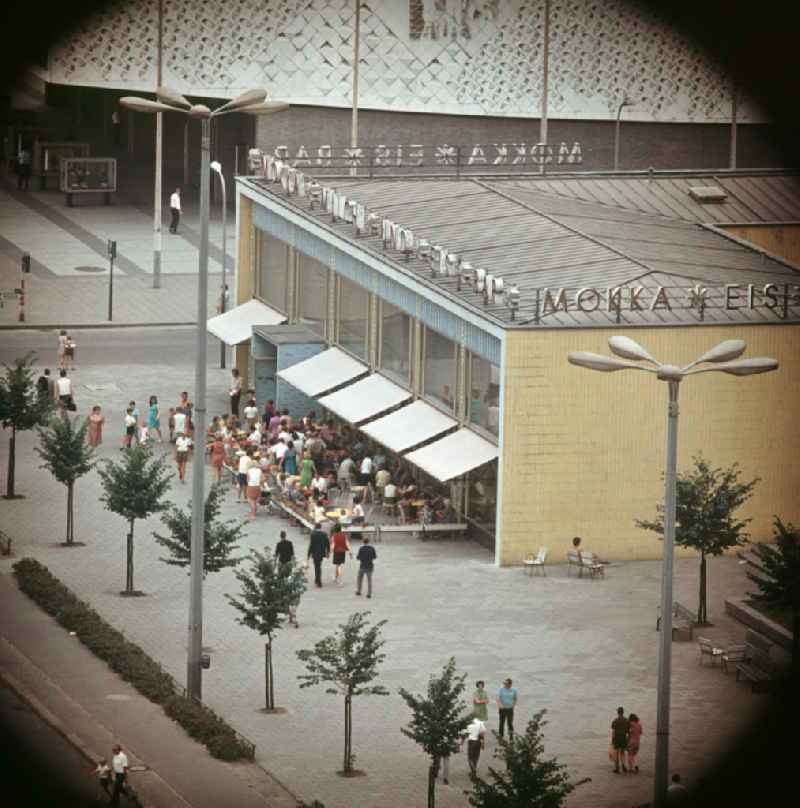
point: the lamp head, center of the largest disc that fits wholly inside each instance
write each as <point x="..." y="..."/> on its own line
<point x="724" y="352"/>
<point x="605" y="364"/>
<point x="216" y="166"/>
<point x="245" y="99"/>
<point x="199" y="111"/>
<point x="629" y="349"/>
<point x="172" y="97"/>
<point x="144" y="104"/>
<point x="745" y="367"/>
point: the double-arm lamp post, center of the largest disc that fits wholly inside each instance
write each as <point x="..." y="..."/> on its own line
<point x="253" y="102"/>
<point x="723" y="358"/>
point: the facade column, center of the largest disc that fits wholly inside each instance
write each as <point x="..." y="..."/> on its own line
<point x="373" y="325"/>
<point x="417" y="348"/>
<point x="330" y="325"/>
<point x="291" y="285"/>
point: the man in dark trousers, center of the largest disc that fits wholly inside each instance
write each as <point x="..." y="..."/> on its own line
<point x="284" y="550"/>
<point x="319" y="547"/>
<point x="620" y="727"/>
<point x="366" y="559"/>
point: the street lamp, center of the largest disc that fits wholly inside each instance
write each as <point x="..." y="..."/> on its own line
<point x="625" y="103"/>
<point x="724" y="358"/>
<point x="171" y="101"/>
<point x="216" y="167"/>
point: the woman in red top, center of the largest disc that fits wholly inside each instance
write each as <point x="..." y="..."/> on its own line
<point x="340" y="547"/>
<point x="217" y="456"/>
<point x="634" y="739"/>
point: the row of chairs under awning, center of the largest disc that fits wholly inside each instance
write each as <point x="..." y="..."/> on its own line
<point x="359" y="396"/>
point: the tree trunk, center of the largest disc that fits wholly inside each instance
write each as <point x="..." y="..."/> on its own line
<point x="702" y="611"/>
<point x="433" y="773"/>
<point x="129" y="564"/>
<point x="269" y="679"/>
<point x="348" y="732"/>
<point x="70" y="518"/>
<point x="12" y="442"/>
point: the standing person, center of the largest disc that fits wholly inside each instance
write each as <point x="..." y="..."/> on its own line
<point x="235" y="392"/>
<point x="307" y="471"/>
<point x="506" y="702"/>
<point x="183" y="444"/>
<point x="269" y="411"/>
<point x="95" y="431"/>
<point x="318" y="548"/>
<point x="476" y="738"/>
<point x="289" y="460"/>
<point x="251" y="413"/>
<point x="175" y="210"/>
<point x="620" y="729"/>
<point x="241" y="475"/>
<point x="23" y="168"/>
<point x="129" y="426"/>
<point x="254" y="487"/>
<point x="44" y="387"/>
<point x="64" y="391"/>
<point x="119" y="765"/>
<point x="102" y="774"/>
<point x="179" y="423"/>
<point x="480" y="701"/>
<point x="135" y="412"/>
<point x="366" y="559"/>
<point x="635" y="731"/>
<point x="154" y="418"/>
<point x="69" y="352"/>
<point x="217" y="456"/>
<point x="284" y="552"/>
<point x="62" y="349"/>
<point x="341" y="547"/>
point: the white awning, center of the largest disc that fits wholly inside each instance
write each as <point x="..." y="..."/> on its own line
<point x="322" y="372"/>
<point x="409" y="426"/>
<point x="365" y="399"/>
<point x="236" y="325"/>
<point x="453" y="455"/>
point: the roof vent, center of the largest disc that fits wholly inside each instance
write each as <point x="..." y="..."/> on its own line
<point x="707" y="193"/>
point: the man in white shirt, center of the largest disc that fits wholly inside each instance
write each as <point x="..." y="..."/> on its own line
<point x="366" y="471"/>
<point x="119" y="766"/>
<point x="251" y="413"/>
<point x="320" y="483"/>
<point x="390" y="493"/>
<point x="244" y="465"/>
<point x="255" y="436"/>
<point x="179" y="421"/>
<point x="279" y="449"/>
<point x="476" y="733"/>
<point x="63" y="388"/>
<point x="182" y="447"/>
<point x="175" y="209"/>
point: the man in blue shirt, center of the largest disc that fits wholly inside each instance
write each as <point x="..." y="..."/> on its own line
<point x="506" y="702"/>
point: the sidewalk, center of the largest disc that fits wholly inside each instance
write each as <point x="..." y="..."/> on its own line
<point x="86" y="702"/>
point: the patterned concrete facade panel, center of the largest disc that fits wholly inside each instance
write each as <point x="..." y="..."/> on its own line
<point x="589" y="448"/>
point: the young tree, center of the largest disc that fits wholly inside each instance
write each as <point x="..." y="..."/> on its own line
<point x="269" y="590"/>
<point x="220" y="537"/>
<point x="707" y="499"/>
<point x="134" y="488"/>
<point x="20" y="409"/>
<point x="528" y="781"/>
<point x="779" y="585"/>
<point x="438" y="721"/>
<point x="68" y="457"/>
<point x="348" y="662"/>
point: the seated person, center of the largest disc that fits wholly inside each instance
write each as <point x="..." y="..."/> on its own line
<point x="390" y="493"/>
<point x="382" y="479"/>
<point x="296" y="494"/>
<point x="576" y="544"/>
<point x="447" y="514"/>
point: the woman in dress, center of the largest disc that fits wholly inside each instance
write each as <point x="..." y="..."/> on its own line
<point x="217" y="452"/>
<point x="340" y="547"/>
<point x="307" y="471"/>
<point x="95" y="430"/>
<point x="289" y="462"/>
<point x="634" y="739"/>
<point x="154" y="418"/>
<point x="62" y="349"/>
<point x="480" y="701"/>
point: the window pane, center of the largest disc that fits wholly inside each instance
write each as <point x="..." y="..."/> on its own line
<point x="482" y="498"/>
<point x="396" y="342"/>
<point x="273" y="271"/>
<point x="484" y="394"/>
<point x="312" y="294"/>
<point x="353" y="318"/>
<point x="440" y="368"/>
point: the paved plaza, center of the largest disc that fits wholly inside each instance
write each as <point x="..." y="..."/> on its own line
<point x="577" y="647"/>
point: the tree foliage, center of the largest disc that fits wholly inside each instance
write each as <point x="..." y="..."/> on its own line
<point x="134" y="488"/>
<point x="220" y="538"/>
<point x="21" y="408"/>
<point x="707" y="500"/>
<point x="269" y="591"/>
<point x="438" y="719"/>
<point x="347" y="662"/>
<point x="68" y="457"/>
<point x="779" y="584"/>
<point x="529" y="780"/>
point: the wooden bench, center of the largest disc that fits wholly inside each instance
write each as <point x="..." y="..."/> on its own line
<point x="5" y="544"/>
<point x="757" y="666"/>
<point x="294" y="513"/>
<point x="682" y="621"/>
<point x="584" y="561"/>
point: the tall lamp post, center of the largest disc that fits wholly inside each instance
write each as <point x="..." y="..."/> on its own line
<point x="216" y="167"/>
<point x="723" y="358"/>
<point x="171" y="101"/>
<point x="625" y="103"/>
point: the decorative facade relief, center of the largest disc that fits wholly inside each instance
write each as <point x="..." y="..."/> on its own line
<point x="471" y="57"/>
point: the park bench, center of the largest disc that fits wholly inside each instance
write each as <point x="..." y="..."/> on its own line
<point x="757" y="665"/>
<point x="584" y="561"/>
<point x="682" y="621"/>
<point x="5" y="544"/>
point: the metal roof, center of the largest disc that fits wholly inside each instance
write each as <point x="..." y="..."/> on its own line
<point x="532" y="234"/>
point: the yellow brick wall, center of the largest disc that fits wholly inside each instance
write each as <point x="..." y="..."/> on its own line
<point x="782" y="239"/>
<point x="245" y="287"/>
<point x="584" y="451"/>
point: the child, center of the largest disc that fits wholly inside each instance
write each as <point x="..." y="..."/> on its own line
<point x="130" y="428"/>
<point x="103" y="775"/>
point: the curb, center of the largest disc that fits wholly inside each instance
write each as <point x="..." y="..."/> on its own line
<point x="83" y="326"/>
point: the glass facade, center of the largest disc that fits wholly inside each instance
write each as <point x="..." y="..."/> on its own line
<point x="353" y="319"/>
<point x="395" y="342"/>
<point x="482" y="498"/>
<point x="439" y="373"/>
<point x="483" y="394"/>
<point x="273" y="271"/>
<point x="312" y="294"/>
